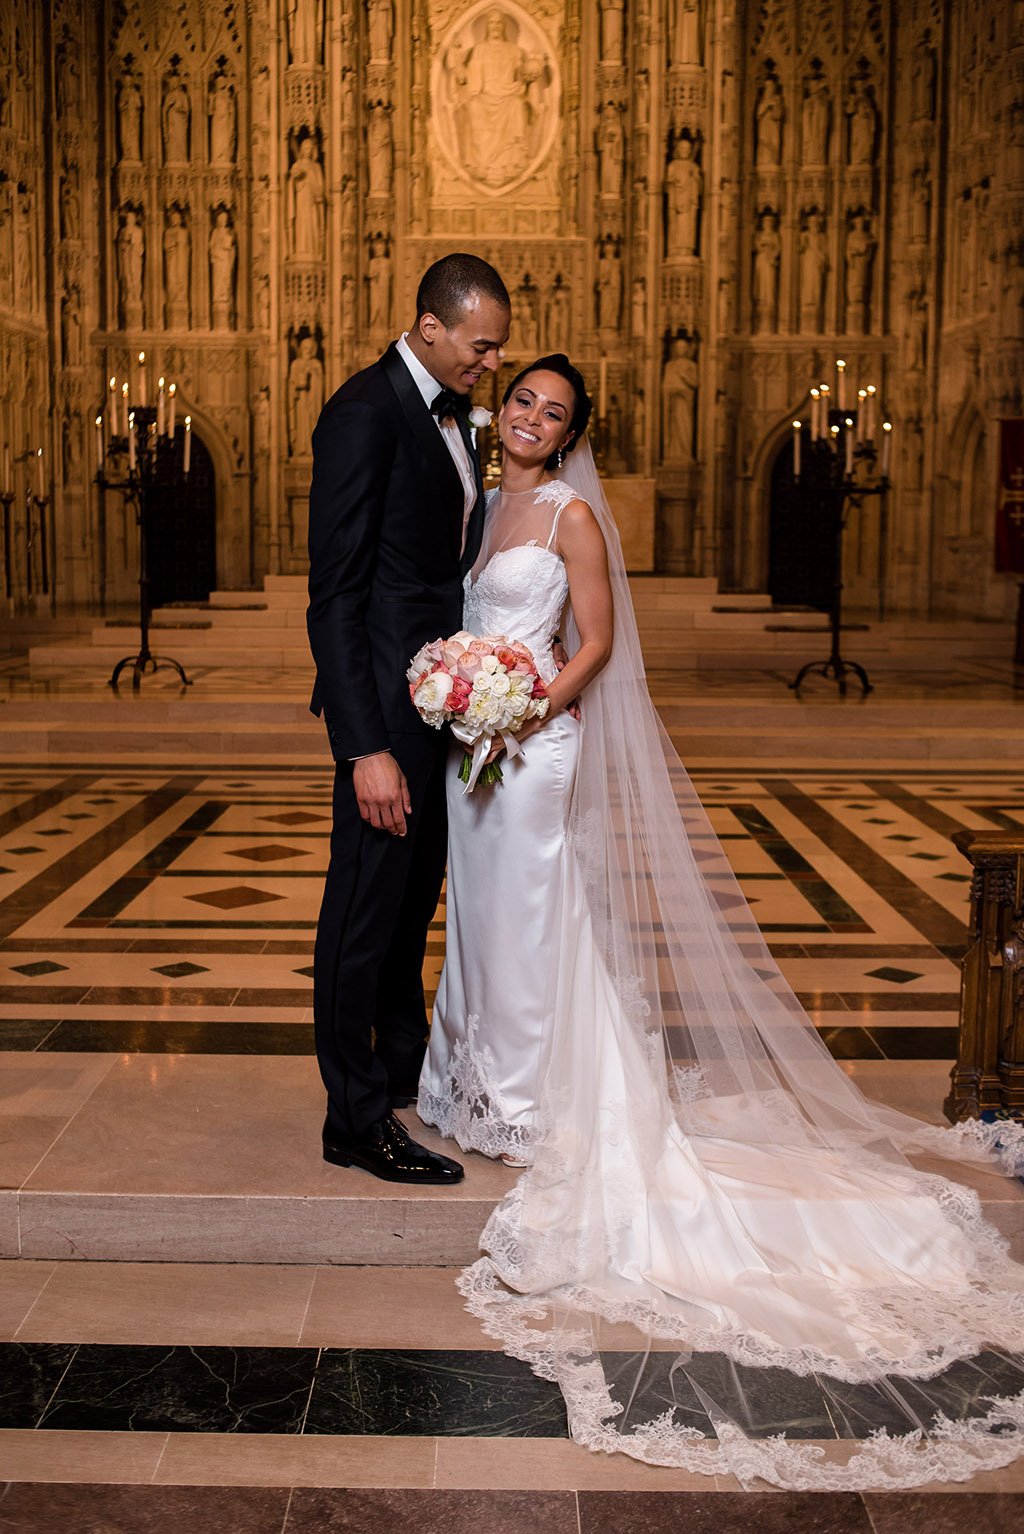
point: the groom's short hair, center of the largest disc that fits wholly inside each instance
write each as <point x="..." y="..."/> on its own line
<point x="446" y="287"/>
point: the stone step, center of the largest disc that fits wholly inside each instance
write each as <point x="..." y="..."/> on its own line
<point x="224" y="1166"/>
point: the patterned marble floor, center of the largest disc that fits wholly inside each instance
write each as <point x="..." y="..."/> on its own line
<point x="156" y="923"/>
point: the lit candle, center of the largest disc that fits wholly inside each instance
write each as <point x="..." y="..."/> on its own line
<point x="112" y="386"/>
<point x="40" y="486"/>
<point x="99" y="439"/>
<point x="124" y="408"/>
<point x="796" y="449"/>
<point x="862" y="414"/>
<point x="131" y="439"/>
<point x="849" y="445"/>
<point x="7" y="468"/>
<point x="172" y="393"/>
<point x="841" y="385"/>
<point x="142" y="378"/>
<point x="602" y="389"/>
<point x="833" y="432"/>
<point x="815" y="414"/>
<point x="869" y="431"/>
<point x="160" y="417"/>
<point x="886" y="440"/>
<point x="188" y="443"/>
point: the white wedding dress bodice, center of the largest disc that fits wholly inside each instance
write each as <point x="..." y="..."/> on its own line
<point x="521" y="590"/>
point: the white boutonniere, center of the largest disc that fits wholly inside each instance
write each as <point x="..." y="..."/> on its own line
<point x="479" y="416"/>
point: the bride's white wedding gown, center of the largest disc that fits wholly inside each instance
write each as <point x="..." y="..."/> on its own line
<point x="679" y="1212"/>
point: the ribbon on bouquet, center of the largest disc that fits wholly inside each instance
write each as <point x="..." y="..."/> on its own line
<point x="480" y="751"/>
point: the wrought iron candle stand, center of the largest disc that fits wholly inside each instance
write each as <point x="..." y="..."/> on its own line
<point x="151" y="464"/>
<point x="825" y="464"/>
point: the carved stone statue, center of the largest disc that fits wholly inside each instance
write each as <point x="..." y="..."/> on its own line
<point x="305" y="397"/>
<point x="611" y="30"/>
<point x="177" y="117"/>
<point x="129" y="120"/>
<point x="860" y="249"/>
<point x="493" y="84"/>
<point x="920" y="208"/>
<point x="306" y="204"/>
<point x="71" y="328"/>
<point x="261" y="422"/>
<point x="767" y="253"/>
<point x="679" y="381"/>
<point x="24" y="251"/>
<point x="922" y="82"/>
<point x="380" y="17"/>
<point x="558" y="315"/>
<point x="177" y="269"/>
<point x="611" y="149"/>
<point x="638" y="310"/>
<point x="609" y="287"/>
<point x="222" y="112"/>
<point x="378" y="149"/>
<point x="916" y="330"/>
<point x="815" y="120"/>
<point x="813" y="268"/>
<point x="263" y="302"/>
<point x="70" y="205"/>
<point x="304" y="31"/>
<point x="131" y="250"/>
<point x="526" y="312"/>
<point x="863" y="124"/>
<point x="768" y="124"/>
<point x="223" y="252"/>
<point x="684" y="186"/>
<point x="69" y="85"/>
<point x="378" y="278"/>
<point x="684" y="32"/>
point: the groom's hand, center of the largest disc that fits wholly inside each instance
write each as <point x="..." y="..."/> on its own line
<point x="382" y="792"/>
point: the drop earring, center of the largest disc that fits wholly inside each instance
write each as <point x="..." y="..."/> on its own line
<point x="561" y="458"/>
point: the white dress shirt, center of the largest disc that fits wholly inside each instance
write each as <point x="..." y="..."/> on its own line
<point x="429" y="388"/>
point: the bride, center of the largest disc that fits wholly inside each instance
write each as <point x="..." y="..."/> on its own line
<point x="714" y="1230"/>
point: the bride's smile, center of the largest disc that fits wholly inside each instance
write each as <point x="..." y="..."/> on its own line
<point x="533" y="422"/>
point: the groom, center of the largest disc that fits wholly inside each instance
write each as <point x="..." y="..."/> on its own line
<point x="395" y="521"/>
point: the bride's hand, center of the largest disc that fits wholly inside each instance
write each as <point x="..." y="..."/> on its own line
<point x="530" y="728"/>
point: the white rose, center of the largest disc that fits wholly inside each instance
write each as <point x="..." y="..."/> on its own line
<point x="482" y="684"/>
<point x="431" y="695"/>
<point x="479" y="417"/>
<point x="490" y="664"/>
<point x="500" y="685"/>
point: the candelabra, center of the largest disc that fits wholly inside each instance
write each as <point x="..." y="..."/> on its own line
<point x="139" y="458"/>
<point x="827" y="453"/>
<point x="36" y="528"/>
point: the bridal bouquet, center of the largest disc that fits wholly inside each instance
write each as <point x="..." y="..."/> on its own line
<point x="482" y="688"/>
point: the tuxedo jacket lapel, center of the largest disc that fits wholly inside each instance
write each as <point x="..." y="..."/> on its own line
<point x="475" y="526"/>
<point x="444" y="475"/>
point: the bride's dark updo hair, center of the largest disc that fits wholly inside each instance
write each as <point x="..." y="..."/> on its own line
<point x="559" y="363"/>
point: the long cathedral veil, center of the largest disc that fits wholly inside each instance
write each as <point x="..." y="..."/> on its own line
<point x="716" y="1068"/>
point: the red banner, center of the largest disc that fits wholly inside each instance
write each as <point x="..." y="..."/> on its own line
<point x="1010" y="514"/>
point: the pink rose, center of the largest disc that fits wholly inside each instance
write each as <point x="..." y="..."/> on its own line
<point x="458" y="698"/>
<point x="539" y="690"/>
<point x="468" y="667"/>
<point x="480" y="647"/>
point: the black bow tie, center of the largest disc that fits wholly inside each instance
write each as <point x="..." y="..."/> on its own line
<point x="448" y="403"/>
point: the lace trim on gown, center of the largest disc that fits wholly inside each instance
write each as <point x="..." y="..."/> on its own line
<point x="469" y="1108"/>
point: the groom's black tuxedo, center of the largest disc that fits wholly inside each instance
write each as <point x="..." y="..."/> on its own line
<point x="386" y="510"/>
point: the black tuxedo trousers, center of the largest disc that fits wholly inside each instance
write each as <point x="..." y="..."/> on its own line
<point x="386" y="566"/>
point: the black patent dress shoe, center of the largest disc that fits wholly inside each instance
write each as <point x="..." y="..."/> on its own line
<point x="388" y="1151"/>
